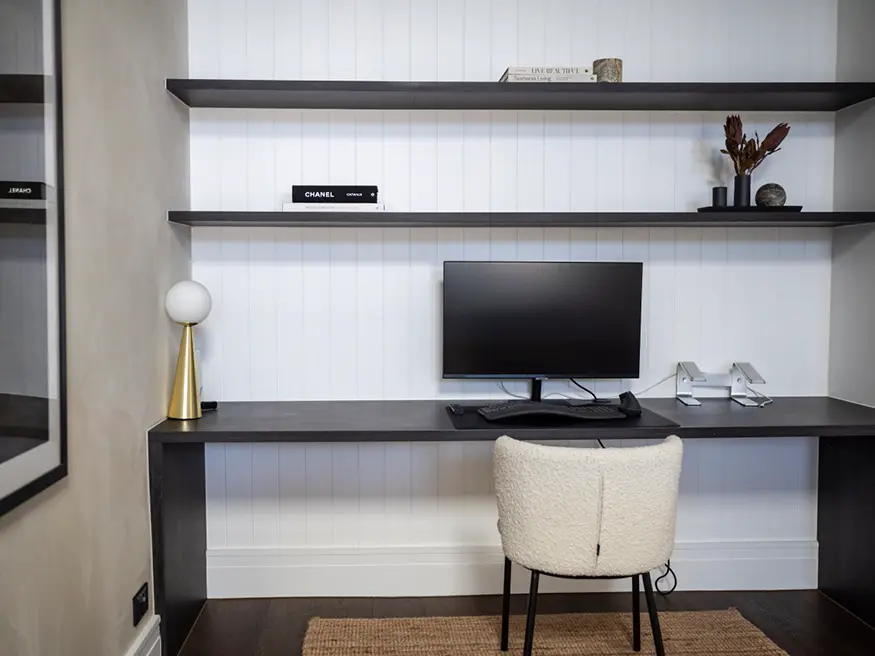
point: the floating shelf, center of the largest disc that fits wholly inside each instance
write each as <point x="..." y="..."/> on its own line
<point x="24" y="416"/>
<point x="25" y="215"/>
<point x="644" y="96"/>
<point x="20" y="89"/>
<point x="517" y="219"/>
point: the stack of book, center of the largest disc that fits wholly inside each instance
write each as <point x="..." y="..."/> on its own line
<point x="334" y="198"/>
<point x="548" y="74"/>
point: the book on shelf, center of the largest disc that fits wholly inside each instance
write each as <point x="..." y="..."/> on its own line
<point x="333" y="207"/>
<point x="334" y="194"/>
<point x="545" y="70"/>
<point x="23" y="190"/>
<point x="510" y="79"/>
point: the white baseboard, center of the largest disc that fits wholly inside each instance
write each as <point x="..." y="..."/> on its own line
<point x="418" y="571"/>
<point x="148" y="642"/>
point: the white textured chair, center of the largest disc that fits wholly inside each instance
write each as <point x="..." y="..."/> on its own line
<point x="586" y="513"/>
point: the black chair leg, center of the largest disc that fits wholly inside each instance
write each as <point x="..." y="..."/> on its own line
<point x="505" y="605"/>
<point x="654" y="619"/>
<point x="636" y="615"/>
<point x="530" y="616"/>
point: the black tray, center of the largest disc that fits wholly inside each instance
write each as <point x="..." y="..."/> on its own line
<point x="730" y="209"/>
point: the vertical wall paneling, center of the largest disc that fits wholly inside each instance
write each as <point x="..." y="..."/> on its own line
<point x="346" y="313"/>
<point x="22" y="130"/>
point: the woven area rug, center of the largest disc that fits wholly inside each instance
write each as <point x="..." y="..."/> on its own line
<point x="700" y="633"/>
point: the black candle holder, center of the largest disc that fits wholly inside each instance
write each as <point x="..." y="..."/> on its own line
<point x="719" y="197"/>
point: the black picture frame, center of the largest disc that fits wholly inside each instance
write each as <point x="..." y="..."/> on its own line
<point x="52" y="476"/>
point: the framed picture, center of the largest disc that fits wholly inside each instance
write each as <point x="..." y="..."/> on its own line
<point x="33" y="430"/>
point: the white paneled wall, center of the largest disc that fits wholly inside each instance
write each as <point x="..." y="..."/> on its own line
<point x="22" y="143"/>
<point x="354" y="313"/>
<point x="21" y="36"/>
<point x="345" y="313"/>
<point x="659" y="40"/>
<point x="495" y="161"/>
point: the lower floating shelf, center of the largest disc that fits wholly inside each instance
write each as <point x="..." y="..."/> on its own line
<point x="23" y="215"/>
<point x="518" y="219"/>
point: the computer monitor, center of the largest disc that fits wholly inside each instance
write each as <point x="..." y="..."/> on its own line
<point x="542" y="320"/>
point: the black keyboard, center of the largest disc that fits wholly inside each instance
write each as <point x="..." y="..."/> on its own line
<point x="515" y="409"/>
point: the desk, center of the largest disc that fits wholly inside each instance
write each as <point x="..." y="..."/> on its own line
<point x="846" y="488"/>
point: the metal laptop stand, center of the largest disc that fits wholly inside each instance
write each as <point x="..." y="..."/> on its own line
<point x="741" y="375"/>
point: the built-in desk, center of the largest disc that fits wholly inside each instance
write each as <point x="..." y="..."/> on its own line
<point x="846" y="488"/>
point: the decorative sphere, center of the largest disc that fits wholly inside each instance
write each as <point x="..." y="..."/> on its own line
<point x="771" y="195"/>
<point x="188" y="302"/>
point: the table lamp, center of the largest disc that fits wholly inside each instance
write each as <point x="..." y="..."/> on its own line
<point x="188" y="303"/>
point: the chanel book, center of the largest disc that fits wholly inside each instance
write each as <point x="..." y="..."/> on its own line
<point x="334" y="194"/>
<point x="23" y="190"/>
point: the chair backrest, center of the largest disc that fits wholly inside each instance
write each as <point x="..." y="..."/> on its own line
<point x="587" y="512"/>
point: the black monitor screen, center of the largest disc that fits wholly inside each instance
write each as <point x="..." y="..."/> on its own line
<point x="542" y="319"/>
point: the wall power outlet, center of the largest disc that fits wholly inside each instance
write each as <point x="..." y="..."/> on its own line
<point x="140" y="603"/>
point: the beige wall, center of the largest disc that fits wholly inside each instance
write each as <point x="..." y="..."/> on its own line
<point x="72" y="558"/>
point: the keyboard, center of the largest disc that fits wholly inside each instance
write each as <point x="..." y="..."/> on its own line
<point x="516" y="409"/>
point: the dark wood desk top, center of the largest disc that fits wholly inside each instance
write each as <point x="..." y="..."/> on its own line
<point x="428" y="421"/>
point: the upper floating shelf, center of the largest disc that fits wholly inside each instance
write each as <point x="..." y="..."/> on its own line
<point x="518" y="219"/>
<point x="21" y="89"/>
<point x="643" y="96"/>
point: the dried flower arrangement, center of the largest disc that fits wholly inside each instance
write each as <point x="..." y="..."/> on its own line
<point x="747" y="154"/>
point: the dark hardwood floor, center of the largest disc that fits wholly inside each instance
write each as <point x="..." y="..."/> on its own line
<point x="803" y="623"/>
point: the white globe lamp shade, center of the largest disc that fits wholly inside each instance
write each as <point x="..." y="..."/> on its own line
<point x="188" y="302"/>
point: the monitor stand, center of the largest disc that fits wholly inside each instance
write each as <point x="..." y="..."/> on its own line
<point x="536" y="389"/>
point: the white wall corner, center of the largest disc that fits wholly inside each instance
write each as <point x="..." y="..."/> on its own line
<point x="148" y="642"/>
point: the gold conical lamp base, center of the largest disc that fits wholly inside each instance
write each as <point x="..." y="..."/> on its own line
<point x="185" y="402"/>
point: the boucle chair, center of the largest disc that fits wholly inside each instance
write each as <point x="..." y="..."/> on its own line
<point x="586" y="513"/>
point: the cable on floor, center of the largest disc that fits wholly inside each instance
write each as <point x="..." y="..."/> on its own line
<point x="674" y="578"/>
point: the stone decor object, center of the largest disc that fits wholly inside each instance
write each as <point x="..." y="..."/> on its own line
<point x="771" y="195"/>
<point x="608" y="70"/>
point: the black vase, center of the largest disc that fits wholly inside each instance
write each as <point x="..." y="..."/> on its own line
<point x="741" y="196"/>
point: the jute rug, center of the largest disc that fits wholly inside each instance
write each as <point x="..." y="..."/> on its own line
<point x="700" y="633"/>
